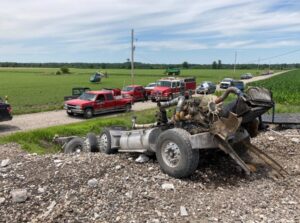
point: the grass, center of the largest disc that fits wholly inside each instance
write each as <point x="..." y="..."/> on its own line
<point x="40" y="141"/>
<point x="39" y="89"/>
<point x="285" y="89"/>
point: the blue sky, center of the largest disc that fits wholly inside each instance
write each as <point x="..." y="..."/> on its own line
<point x="168" y="31"/>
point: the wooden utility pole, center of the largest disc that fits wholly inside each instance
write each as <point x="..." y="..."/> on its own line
<point x="132" y="56"/>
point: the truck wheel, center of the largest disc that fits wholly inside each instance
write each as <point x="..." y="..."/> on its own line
<point x="74" y="145"/>
<point x="88" y="113"/>
<point x="175" y="154"/>
<point x="70" y="113"/>
<point x="128" y="108"/>
<point x="105" y="142"/>
<point x="93" y="143"/>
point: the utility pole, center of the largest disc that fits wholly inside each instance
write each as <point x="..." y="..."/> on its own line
<point x="258" y="63"/>
<point x="132" y="56"/>
<point x="235" y="56"/>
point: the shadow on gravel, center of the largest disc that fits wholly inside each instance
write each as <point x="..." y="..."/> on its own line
<point x="8" y="128"/>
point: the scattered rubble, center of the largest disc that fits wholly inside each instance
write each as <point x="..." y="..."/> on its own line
<point x="133" y="192"/>
<point x="93" y="182"/>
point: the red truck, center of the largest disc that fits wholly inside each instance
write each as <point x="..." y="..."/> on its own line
<point x="171" y="87"/>
<point x="97" y="102"/>
<point x="137" y="92"/>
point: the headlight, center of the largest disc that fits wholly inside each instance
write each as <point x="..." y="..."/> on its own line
<point x="78" y="107"/>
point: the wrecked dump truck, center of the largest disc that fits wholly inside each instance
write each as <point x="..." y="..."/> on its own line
<point x="197" y="123"/>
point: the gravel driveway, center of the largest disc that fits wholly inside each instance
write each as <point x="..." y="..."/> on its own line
<point x="53" y="118"/>
<point x="114" y="188"/>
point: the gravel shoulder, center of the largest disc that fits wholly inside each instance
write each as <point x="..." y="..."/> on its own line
<point x="54" y="118"/>
<point x="59" y="188"/>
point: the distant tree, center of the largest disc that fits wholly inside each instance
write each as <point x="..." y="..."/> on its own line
<point x="185" y="65"/>
<point x="103" y="66"/>
<point x="58" y="72"/>
<point x="65" y="70"/>
<point x="219" y="64"/>
<point x="214" y="65"/>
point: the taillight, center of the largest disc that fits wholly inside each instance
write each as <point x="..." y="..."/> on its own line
<point x="9" y="109"/>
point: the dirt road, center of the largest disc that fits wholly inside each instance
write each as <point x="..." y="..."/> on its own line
<point x="53" y="118"/>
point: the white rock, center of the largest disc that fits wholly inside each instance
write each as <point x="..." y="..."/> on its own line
<point x="41" y="190"/>
<point x="142" y="159"/>
<point x="129" y="194"/>
<point x="2" y="199"/>
<point x="271" y="138"/>
<point x="183" y="211"/>
<point x="57" y="161"/>
<point x="118" y="167"/>
<point x="5" y="162"/>
<point x="93" y="182"/>
<point x="19" y="195"/>
<point x="295" y="140"/>
<point x="168" y="186"/>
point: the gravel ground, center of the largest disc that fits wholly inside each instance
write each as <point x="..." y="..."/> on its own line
<point x="114" y="188"/>
<point x="53" y="118"/>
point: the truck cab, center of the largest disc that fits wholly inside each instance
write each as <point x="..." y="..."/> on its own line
<point x="97" y="102"/>
<point x="169" y="88"/>
<point x="137" y="92"/>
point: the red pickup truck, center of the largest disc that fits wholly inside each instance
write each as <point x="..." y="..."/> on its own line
<point x="97" y="102"/>
<point x="171" y="87"/>
<point x="137" y="92"/>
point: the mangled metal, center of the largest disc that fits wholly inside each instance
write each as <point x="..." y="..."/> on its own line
<point x="196" y="123"/>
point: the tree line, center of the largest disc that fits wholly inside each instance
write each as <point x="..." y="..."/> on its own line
<point x="138" y="65"/>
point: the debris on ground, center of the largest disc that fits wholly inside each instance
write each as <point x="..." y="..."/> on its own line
<point x="216" y="192"/>
<point x="142" y="159"/>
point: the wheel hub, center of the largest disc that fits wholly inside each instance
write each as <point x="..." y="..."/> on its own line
<point x="103" y="142"/>
<point x="171" y="153"/>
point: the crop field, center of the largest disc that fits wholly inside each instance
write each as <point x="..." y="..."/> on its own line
<point x="285" y="89"/>
<point x="40" y="89"/>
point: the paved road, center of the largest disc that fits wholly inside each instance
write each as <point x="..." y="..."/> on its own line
<point x="257" y="78"/>
<point x="54" y="118"/>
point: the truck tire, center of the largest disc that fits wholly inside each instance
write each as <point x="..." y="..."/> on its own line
<point x="105" y="142"/>
<point x="128" y="108"/>
<point x="175" y="154"/>
<point x="74" y="145"/>
<point x="70" y="113"/>
<point x="93" y="145"/>
<point x="88" y="113"/>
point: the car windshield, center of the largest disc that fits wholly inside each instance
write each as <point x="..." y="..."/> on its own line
<point x="164" y="83"/>
<point x="88" y="97"/>
<point x="128" y="88"/>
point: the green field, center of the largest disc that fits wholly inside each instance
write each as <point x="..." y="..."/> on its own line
<point x="285" y="89"/>
<point x="39" y="89"/>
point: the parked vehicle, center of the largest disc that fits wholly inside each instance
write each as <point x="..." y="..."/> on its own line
<point x="206" y="87"/>
<point x="5" y="111"/>
<point x="172" y="71"/>
<point x="97" y="102"/>
<point x="149" y="88"/>
<point x="171" y="87"/>
<point x="137" y="92"/>
<point x="238" y="84"/>
<point x="226" y="83"/>
<point x="76" y="92"/>
<point x="246" y="76"/>
<point x="115" y="91"/>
